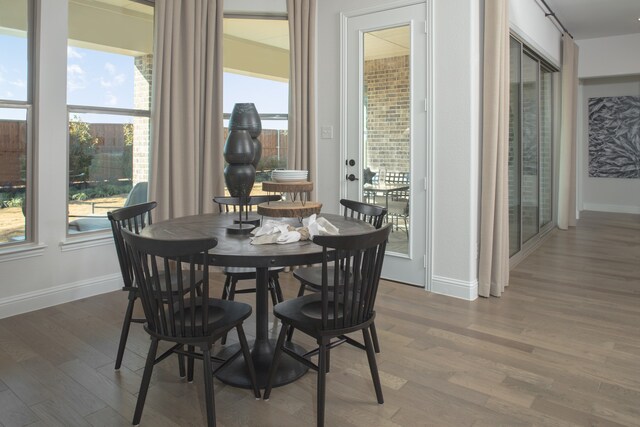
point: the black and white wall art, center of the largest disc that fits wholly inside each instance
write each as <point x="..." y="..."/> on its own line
<point x="614" y="137"/>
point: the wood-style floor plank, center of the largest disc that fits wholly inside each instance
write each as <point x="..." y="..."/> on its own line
<point x="560" y="348"/>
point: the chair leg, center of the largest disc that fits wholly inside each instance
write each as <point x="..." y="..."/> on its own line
<point x="302" y="289"/>
<point x="225" y="288"/>
<point x="276" y="359"/>
<point x="208" y="385"/>
<point x="231" y="294"/>
<point x="181" y="366"/>
<point x="190" y="361"/>
<point x="322" y="382"/>
<point x="276" y="282"/>
<point x="272" y="291"/>
<point x="248" y="360"/>
<point x="290" y="333"/>
<point x="371" y="356"/>
<point x="374" y="337"/>
<point x="126" y="324"/>
<point x="146" y="379"/>
<point x="232" y="289"/>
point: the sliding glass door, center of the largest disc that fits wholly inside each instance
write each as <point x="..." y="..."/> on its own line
<point x="530" y="146"/>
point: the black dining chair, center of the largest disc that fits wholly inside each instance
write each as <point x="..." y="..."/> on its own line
<point x="235" y="274"/>
<point x="344" y="308"/>
<point x="311" y="277"/>
<point x="181" y="315"/>
<point x="134" y="218"/>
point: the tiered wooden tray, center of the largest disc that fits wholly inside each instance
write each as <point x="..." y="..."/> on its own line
<point x="297" y="207"/>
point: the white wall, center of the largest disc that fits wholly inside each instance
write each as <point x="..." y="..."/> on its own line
<point x="609" y="56"/>
<point x="604" y="194"/>
<point x="54" y="269"/>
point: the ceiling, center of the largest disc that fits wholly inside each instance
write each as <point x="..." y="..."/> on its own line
<point x="387" y="43"/>
<point x="588" y="19"/>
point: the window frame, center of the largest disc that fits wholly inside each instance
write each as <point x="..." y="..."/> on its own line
<point x="544" y="65"/>
<point x="90" y="109"/>
<point x="28" y="105"/>
<point x="265" y="17"/>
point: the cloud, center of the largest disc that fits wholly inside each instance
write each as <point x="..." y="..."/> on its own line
<point x="115" y="79"/>
<point x="73" y="53"/>
<point x="111" y="69"/>
<point x="75" y="69"/>
<point x="76" y="78"/>
<point x="19" y="83"/>
<point x="111" y="100"/>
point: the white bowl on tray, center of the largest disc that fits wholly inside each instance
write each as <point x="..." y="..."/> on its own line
<point x="289" y="175"/>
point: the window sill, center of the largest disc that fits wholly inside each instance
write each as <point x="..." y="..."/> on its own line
<point x="77" y="242"/>
<point x="16" y="252"/>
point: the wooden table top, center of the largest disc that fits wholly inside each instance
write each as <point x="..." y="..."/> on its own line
<point x="237" y="250"/>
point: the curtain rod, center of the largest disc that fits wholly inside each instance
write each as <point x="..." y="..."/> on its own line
<point x="552" y="14"/>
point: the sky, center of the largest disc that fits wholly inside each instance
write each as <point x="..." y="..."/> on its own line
<point x="97" y="78"/>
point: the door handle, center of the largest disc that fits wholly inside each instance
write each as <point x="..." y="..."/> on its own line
<point x="352" y="177"/>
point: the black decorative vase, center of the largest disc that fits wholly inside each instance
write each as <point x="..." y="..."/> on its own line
<point x="242" y="151"/>
<point x="245" y="117"/>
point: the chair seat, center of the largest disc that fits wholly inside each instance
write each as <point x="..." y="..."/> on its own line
<point x="222" y="316"/>
<point x="312" y="276"/>
<point x="305" y="313"/>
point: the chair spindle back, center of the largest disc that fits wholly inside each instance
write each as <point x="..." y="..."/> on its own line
<point x="133" y="218"/>
<point x="373" y="214"/>
<point x="175" y="310"/>
<point x="355" y="292"/>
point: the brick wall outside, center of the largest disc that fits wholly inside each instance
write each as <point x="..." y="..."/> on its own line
<point x="387" y="97"/>
<point x="142" y="100"/>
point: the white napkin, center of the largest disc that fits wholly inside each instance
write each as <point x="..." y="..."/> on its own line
<point x="273" y="231"/>
<point x="270" y="227"/>
<point x="319" y="226"/>
<point x="288" y="237"/>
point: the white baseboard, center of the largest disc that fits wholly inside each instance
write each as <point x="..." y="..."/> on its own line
<point x="36" y="300"/>
<point x="598" y="207"/>
<point x="455" y="288"/>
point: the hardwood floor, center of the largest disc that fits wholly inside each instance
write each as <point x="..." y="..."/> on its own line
<point x="560" y="348"/>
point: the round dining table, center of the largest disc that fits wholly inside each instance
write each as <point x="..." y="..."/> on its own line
<point x="236" y="250"/>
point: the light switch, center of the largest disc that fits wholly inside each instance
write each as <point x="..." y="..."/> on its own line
<point x="326" y="132"/>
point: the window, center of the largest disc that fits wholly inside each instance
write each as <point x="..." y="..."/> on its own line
<point x="109" y="68"/>
<point x="256" y="69"/>
<point x="530" y="145"/>
<point x="15" y="121"/>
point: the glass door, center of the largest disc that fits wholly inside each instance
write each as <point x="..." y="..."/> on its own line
<point x="386" y="124"/>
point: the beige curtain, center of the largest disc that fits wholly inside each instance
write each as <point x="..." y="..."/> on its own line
<point x="569" y="114"/>
<point x="493" y="274"/>
<point x="302" y="80"/>
<point x="187" y="131"/>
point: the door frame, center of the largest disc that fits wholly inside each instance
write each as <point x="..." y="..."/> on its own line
<point x="428" y="137"/>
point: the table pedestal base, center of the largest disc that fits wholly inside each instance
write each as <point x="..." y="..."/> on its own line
<point x="236" y="374"/>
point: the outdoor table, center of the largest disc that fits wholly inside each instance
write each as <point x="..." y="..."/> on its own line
<point x="236" y="250"/>
<point x="385" y="189"/>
